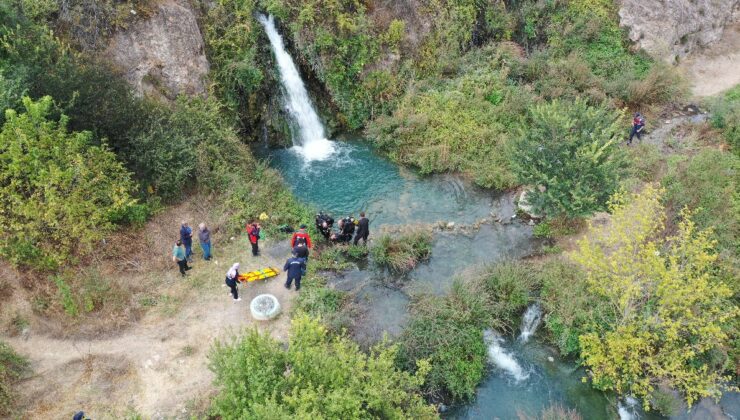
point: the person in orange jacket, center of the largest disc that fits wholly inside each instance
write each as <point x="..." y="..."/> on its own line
<point x="300" y="237"/>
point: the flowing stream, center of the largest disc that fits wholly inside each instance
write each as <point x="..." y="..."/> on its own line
<point x="344" y="177"/>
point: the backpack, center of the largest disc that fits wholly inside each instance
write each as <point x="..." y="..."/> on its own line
<point x="300" y="239"/>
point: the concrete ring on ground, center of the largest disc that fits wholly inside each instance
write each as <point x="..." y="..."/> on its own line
<point x="264" y="307"/>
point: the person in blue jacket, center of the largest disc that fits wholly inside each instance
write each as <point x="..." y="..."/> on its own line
<point x="295" y="267"/>
<point x="186" y="236"/>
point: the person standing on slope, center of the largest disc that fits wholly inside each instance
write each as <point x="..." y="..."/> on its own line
<point x="253" y="230"/>
<point x="204" y="236"/>
<point x="295" y="267"/>
<point x="363" y="229"/>
<point x="186" y="236"/>
<point x="638" y="123"/>
<point x="232" y="277"/>
<point x="300" y="237"/>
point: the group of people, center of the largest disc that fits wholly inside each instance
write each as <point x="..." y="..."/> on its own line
<point x="348" y="227"/>
<point x="182" y="253"/>
<point x="300" y="243"/>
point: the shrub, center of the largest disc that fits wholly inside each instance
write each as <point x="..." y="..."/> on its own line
<point x="12" y="368"/>
<point x="457" y="126"/>
<point x="402" y="252"/>
<point x="669" y="310"/>
<point x="568" y="150"/>
<point x="59" y="192"/>
<point x="707" y="183"/>
<point x="726" y="117"/>
<point x="319" y="301"/>
<point x="570" y="309"/>
<point x="448" y="331"/>
<point x="509" y="287"/>
<point x="317" y="376"/>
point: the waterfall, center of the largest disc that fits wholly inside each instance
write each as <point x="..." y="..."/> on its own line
<point x="312" y="142"/>
<point x="627" y="410"/>
<point x="530" y="321"/>
<point x="501" y="358"/>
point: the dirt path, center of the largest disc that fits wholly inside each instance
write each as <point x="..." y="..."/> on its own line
<point x="157" y="368"/>
<point x="718" y="67"/>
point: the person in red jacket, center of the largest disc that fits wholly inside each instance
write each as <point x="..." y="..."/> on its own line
<point x="253" y="230"/>
<point x="300" y="237"/>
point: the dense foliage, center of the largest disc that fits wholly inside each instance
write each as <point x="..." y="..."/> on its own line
<point x="316" y="376"/>
<point x="448" y="330"/>
<point x="726" y="117"/>
<point x="568" y="153"/>
<point x="60" y="193"/>
<point x="669" y="311"/>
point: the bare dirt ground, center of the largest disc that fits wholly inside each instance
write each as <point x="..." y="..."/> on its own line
<point x="718" y="67"/>
<point x="155" y="367"/>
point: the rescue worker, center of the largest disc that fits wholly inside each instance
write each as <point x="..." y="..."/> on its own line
<point x="232" y="278"/>
<point x="253" y="230"/>
<point x="186" y="236"/>
<point x="300" y="237"/>
<point x="638" y="123"/>
<point x="301" y="251"/>
<point x="363" y="229"/>
<point x="324" y="223"/>
<point x="295" y="267"/>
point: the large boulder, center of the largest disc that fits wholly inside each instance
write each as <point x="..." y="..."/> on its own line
<point x="163" y="55"/>
<point x="671" y="29"/>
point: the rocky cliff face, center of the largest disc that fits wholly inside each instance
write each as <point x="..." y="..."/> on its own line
<point x="671" y="29"/>
<point x="162" y="56"/>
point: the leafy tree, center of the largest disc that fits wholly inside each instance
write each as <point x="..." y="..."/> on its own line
<point x="58" y="192"/>
<point x="568" y="152"/>
<point x="318" y="376"/>
<point x="669" y="311"/>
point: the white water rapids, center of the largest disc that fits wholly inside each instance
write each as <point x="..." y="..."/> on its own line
<point x="501" y="358"/>
<point x="530" y="322"/>
<point x="312" y="143"/>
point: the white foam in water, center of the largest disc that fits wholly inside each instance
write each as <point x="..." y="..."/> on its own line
<point x="627" y="410"/>
<point x="501" y="358"/>
<point x="530" y="321"/>
<point x="313" y="144"/>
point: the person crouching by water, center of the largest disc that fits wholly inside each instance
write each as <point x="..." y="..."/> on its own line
<point x="294" y="267"/>
<point x="232" y="277"/>
<point x="253" y="230"/>
<point x="178" y="256"/>
<point x="324" y="223"/>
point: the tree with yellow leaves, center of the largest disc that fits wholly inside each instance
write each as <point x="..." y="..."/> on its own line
<point x="667" y="309"/>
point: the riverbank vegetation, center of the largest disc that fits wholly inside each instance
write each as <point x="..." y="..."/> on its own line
<point x="318" y="375"/>
<point x="401" y="252"/>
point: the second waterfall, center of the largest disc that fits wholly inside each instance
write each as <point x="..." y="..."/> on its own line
<point x="311" y="143"/>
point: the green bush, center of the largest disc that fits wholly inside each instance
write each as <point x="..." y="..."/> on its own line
<point x="59" y="192"/>
<point x="317" y="376"/>
<point x="510" y="288"/>
<point x="448" y="331"/>
<point x="726" y="117"/>
<point x="319" y="301"/>
<point x="571" y="310"/>
<point x="708" y="184"/>
<point x="12" y="368"/>
<point x="402" y="252"/>
<point x="569" y="152"/>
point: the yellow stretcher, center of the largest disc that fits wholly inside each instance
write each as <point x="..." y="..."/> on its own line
<point x="265" y="273"/>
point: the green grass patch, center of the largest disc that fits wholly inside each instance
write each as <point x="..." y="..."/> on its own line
<point x="402" y="252"/>
<point x="12" y="368"/>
